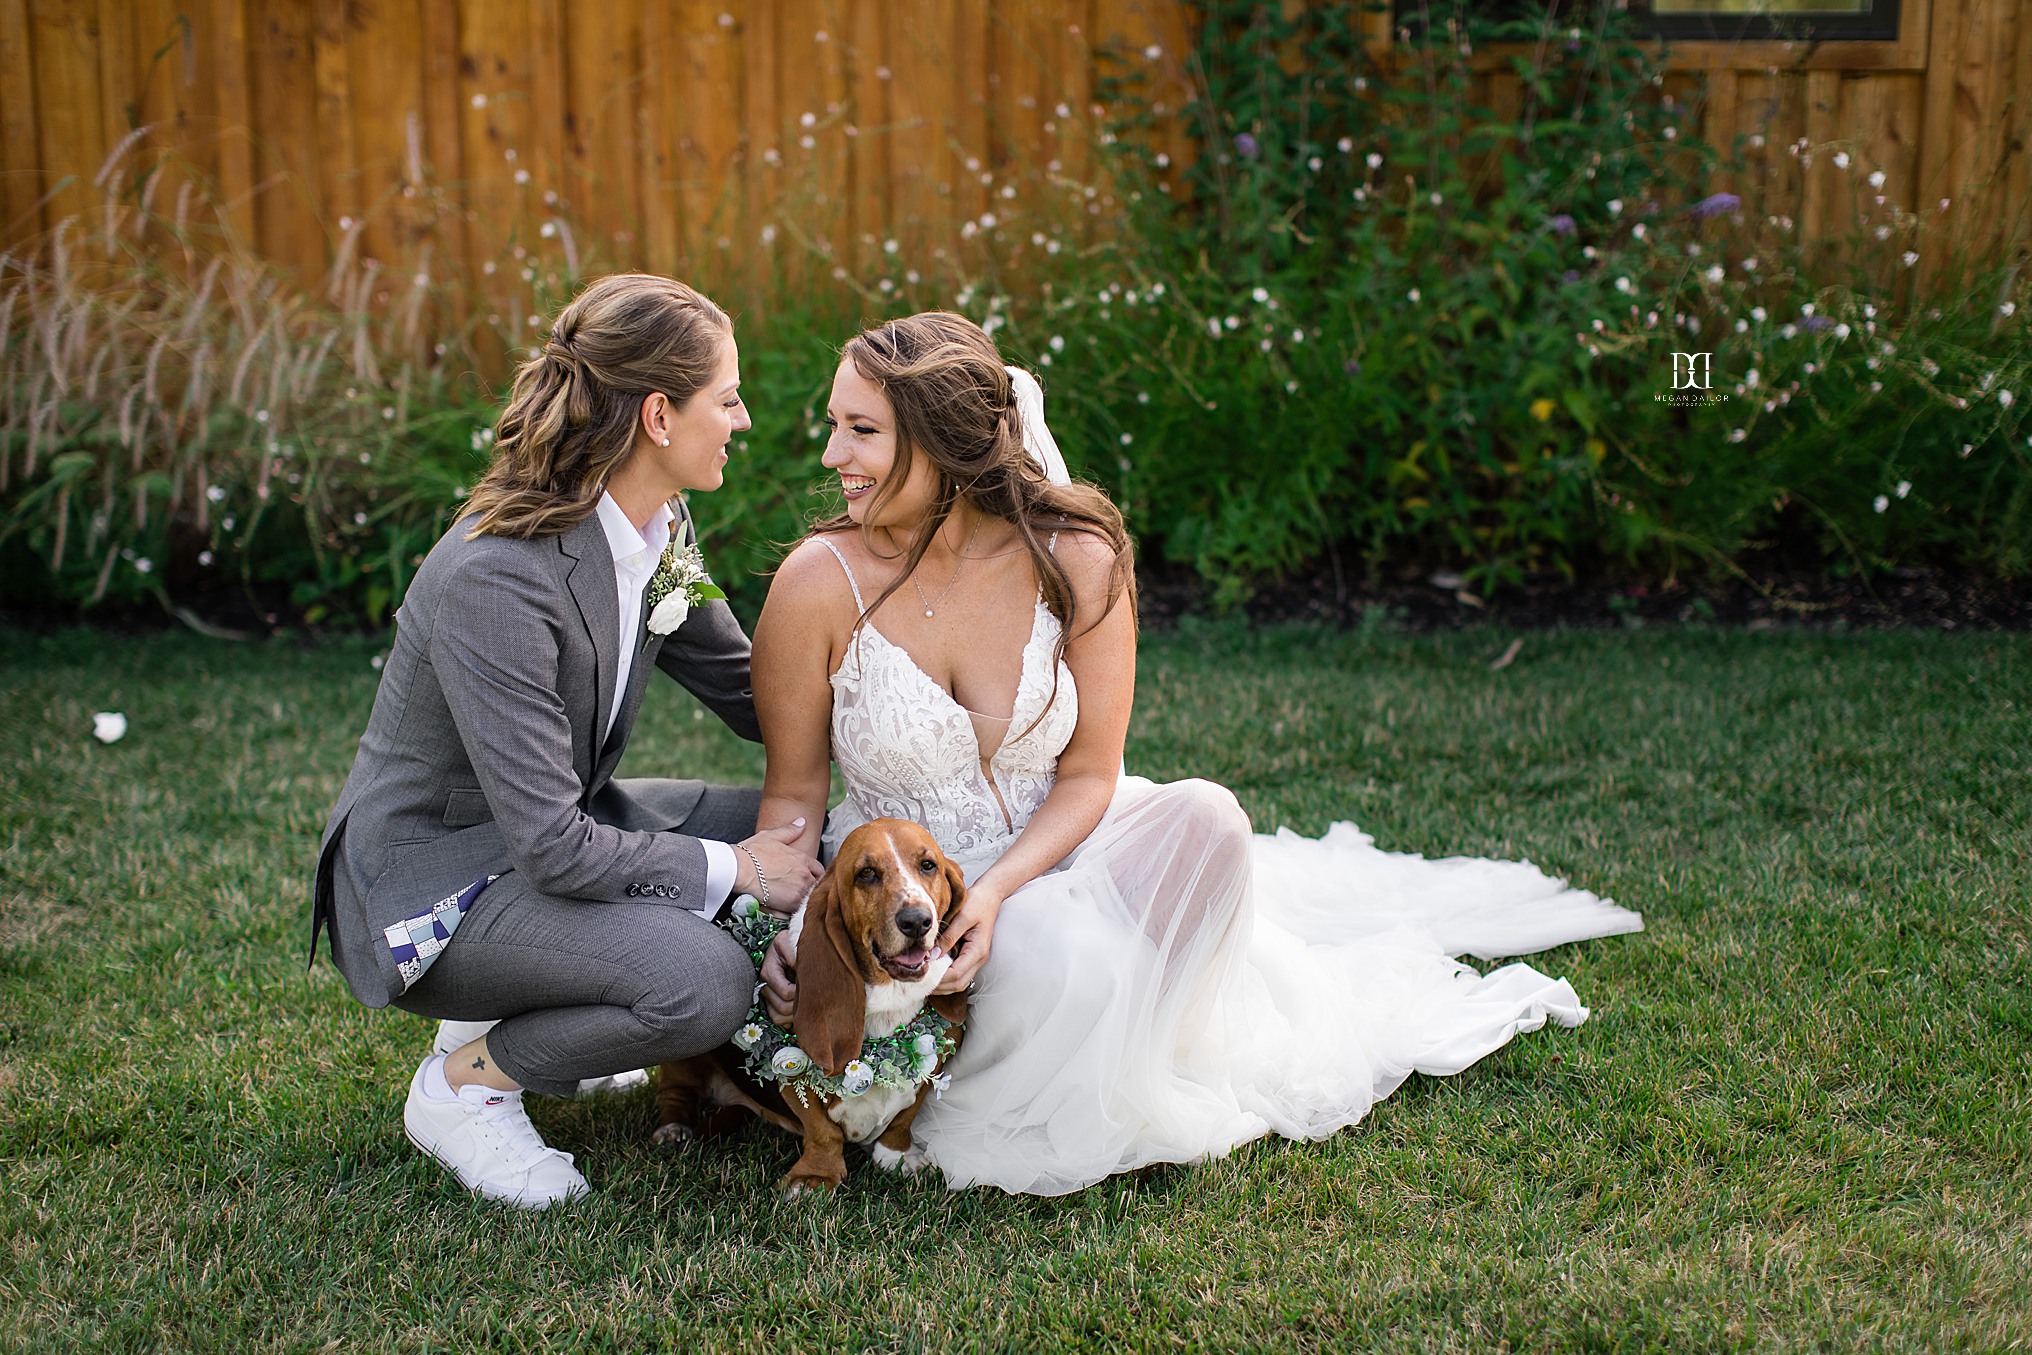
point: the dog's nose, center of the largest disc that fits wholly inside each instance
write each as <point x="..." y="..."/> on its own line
<point x="914" y="922"/>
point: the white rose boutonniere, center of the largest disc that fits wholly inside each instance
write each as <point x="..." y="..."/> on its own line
<point x="679" y="584"/>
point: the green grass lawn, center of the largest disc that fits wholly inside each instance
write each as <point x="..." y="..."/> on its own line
<point x="1799" y="1116"/>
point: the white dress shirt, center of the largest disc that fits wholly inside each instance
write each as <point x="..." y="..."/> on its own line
<point x="635" y="559"/>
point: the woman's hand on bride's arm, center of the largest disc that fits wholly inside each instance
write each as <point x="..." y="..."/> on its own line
<point x="787" y="871"/>
<point x="966" y="936"/>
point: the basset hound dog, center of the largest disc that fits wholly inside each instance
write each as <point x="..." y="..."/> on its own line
<point x="867" y="959"/>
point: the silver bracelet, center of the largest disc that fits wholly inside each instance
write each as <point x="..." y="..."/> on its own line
<point x="761" y="880"/>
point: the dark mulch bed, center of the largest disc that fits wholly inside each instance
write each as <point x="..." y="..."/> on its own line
<point x="1422" y="600"/>
<point x="1438" y="600"/>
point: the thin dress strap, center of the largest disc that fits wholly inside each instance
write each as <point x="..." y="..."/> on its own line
<point x="852" y="582"/>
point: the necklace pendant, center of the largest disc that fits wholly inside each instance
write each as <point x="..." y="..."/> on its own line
<point x="927" y="611"/>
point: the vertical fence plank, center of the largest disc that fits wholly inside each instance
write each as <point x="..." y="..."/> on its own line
<point x="661" y="64"/>
<point x="548" y="41"/>
<point x="603" y="160"/>
<point x="867" y="113"/>
<point x="1982" y="122"/>
<point x="282" y="95"/>
<point x="495" y="125"/>
<point x="921" y="46"/>
<point x="20" y="153"/>
<point x="971" y="75"/>
<point x="338" y="156"/>
<point x="1720" y="123"/>
<point x="1822" y="183"/>
<point x="2017" y="214"/>
<point x="226" y="56"/>
<point x="709" y="139"/>
<point x="1884" y="111"/>
<point x="758" y="35"/>
<point x="1939" y="169"/>
<point x="385" y="72"/>
<point x="65" y="40"/>
<point x="119" y="103"/>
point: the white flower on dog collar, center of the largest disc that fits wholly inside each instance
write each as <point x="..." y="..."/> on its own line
<point x="790" y="1061"/>
<point x="856" y="1078"/>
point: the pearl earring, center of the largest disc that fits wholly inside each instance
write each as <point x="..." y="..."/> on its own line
<point x="666" y="442"/>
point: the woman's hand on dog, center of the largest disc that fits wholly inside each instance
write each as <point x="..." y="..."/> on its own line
<point x="965" y="937"/>
<point x="790" y="871"/>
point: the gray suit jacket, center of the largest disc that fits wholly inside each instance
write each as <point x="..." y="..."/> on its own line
<point x="484" y="751"/>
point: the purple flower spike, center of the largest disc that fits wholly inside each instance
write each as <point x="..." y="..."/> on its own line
<point x="1246" y="147"/>
<point x="1813" y="324"/>
<point x="1714" y="205"/>
<point x="1570" y="276"/>
<point x="1561" y="224"/>
<point x="1351" y="367"/>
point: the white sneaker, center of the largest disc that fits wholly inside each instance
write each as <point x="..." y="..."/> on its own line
<point x="458" y="1034"/>
<point x="485" y="1137"/>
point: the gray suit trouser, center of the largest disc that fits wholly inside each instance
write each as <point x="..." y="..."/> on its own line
<point x="584" y="989"/>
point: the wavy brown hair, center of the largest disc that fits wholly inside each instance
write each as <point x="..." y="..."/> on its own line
<point x="953" y="405"/>
<point x="572" y="411"/>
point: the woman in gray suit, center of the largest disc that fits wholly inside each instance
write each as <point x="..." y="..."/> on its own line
<point x="482" y="864"/>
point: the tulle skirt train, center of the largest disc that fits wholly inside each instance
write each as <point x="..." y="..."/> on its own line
<point x="1180" y="985"/>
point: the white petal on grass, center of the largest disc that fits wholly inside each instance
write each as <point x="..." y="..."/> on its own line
<point x="109" y="726"/>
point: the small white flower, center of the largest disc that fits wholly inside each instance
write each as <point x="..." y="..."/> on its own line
<point x="204" y="557"/>
<point x="1639" y="231"/>
<point x="1057" y="343"/>
<point x="1412" y="295"/>
<point x="1880" y="503"/>
<point x="1742" y="326"/>
<point x="1841" y="331"/>
<point x="1437" y="199"/>
<point x="1128" y="438"/>
<point x="748" y="1036"/>
<point x="1748" y="265"/>
<point x="1625" y="286"/>
<point x="856" y="1078"/>
<point x="1909" y="258"/>
<point x="1142" y="397"/>
<point x="2006" y="399"/>
<point x="1375" y="160"/>
<point x="1314" y="163"/>
<point x="1904" y="488"/>
<point x="2008" y="309"/>
<point x="669" y="614"/>
<point x="1759" y="314"/>
<point x="1260" y="295"/>
<point x="1615" y="206"/>
<point x="790" y="1061"/>
<point x="1752" y="377"/>
<point x="1876" y="178"/>
<point x="1841" y="159"/>
<point x="1737" y="434"/>
<point x="109" y="726"/>
<point x="1213" y="327"/>
<point x="1229" y="322"/>
<point x="1345" y="144"/>
<point x="1715" y="273"/>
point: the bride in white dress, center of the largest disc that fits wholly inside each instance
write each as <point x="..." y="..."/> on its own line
<point x="1153" y="982"/>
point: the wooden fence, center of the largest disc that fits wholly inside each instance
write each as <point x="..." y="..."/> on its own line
<point x="670" y="133"/>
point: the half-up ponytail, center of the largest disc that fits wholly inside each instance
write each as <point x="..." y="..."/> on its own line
<point x="571" y="415"/>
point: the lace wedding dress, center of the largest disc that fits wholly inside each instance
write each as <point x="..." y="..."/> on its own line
<point x="1179" y="985"/>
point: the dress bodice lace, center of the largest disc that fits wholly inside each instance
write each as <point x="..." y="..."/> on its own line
<point x="907" y="749"/>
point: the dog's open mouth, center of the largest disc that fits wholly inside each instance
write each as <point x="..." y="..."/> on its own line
<point x="908" y="964"/>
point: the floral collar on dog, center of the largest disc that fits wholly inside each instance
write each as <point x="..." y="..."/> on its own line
<point x="906" y="1057"/>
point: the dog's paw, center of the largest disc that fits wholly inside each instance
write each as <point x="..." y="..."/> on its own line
<point x="799" y="1187"/>
<point x="917" y="1159"/>
<point x="888" y="1159"/>
<point x="675" y="1134"/>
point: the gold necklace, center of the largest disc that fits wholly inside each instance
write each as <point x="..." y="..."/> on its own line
<point x="931" y="603"/>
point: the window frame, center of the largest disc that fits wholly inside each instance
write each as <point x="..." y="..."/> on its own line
<point x="1906" y="53"/>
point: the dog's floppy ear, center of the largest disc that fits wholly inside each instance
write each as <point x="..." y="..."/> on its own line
<point x="832" y="997"/>
<point x="956" y="886"/>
